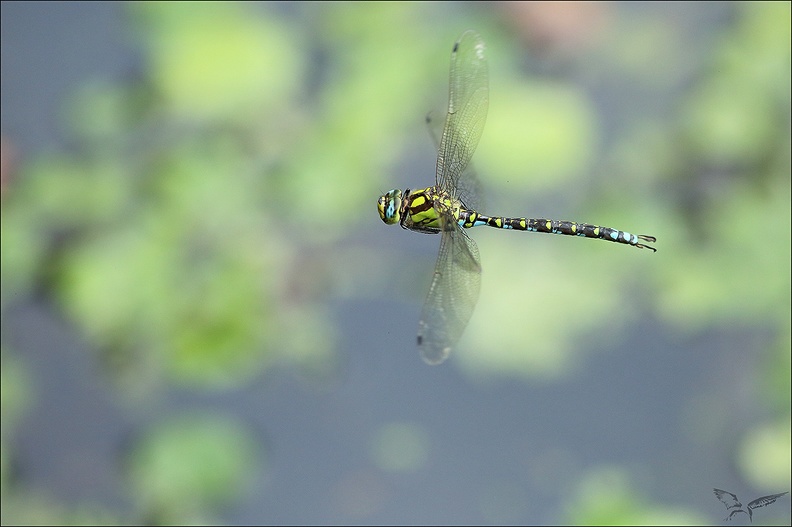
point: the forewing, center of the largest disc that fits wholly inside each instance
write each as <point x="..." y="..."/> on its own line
<point x="468" y="100"/>
<point x="452" y="296"/>
<point x="468" y="189"/>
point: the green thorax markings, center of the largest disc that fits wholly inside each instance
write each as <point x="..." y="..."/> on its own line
<point x="418" y="210"/>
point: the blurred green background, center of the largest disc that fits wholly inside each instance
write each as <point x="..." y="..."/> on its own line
<point x="205" y="321"/>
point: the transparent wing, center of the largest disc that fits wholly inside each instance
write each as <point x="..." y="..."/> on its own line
<point x="452" y="295"/>
<point x="468" y="186"/>
<point x="468" y="100"/>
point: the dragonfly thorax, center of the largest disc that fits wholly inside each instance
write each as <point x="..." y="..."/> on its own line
<point x="419" y="210"/>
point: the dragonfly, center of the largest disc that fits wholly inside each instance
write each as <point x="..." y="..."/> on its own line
<point x="449" y="208"/>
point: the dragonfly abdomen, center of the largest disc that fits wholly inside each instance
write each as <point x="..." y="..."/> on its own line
<point x="469" y="219"/>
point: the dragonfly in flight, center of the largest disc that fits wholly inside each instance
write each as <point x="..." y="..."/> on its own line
<point x="449" y="208"/>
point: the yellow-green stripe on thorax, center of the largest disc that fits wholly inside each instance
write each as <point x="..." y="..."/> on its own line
<point x="417" y="210"/>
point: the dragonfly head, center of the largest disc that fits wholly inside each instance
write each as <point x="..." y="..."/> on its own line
<point x="389" y="206"/>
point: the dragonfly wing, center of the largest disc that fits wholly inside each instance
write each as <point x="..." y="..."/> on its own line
<point x="435" y="127"/>
<point x="452" y="296"/>
<point x="457" y="275"/>
<point x="468" y="185"/>
<point x="468" y="100"/>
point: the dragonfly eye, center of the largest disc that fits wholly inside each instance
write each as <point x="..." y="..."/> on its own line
<point x="389" y="206"/>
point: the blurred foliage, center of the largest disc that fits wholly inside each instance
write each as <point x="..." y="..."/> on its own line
<point x="185" y="468"/>
<point x="217" y="63"/>
<point x="605" y="496"/>
<point x="400" y="447"/>
<point x="41" y="509"/>
<point x="15" y="401"/>
<point x="539" y="135"/>
<point x="765" y="457"/>
<point x="208" y="211"/>
<point x="540" y="341"/>
<point x="15" y="396"/>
